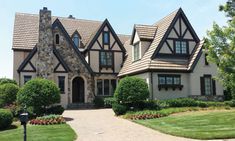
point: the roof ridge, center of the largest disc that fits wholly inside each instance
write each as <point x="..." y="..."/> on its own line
<point x="175" y="11"/>
<point x="59" y="17"/>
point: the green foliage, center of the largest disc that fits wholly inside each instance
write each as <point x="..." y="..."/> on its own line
<point x="108" y="102"/>
<point x="149" y="105"/>
<point x="8" y="93"/>
<point x="99" y="102"/>
<point x="119" y="109"/>
<point x="7" y="80"/>
<point x="58" y="110"/>
<point x="6" y="118"/>
<point x="220" y="47"/>
<point x="39" y="93"/>
<point x="131" y="90"/>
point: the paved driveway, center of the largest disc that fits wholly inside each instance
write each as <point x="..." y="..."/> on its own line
<point x="102" y="125"/>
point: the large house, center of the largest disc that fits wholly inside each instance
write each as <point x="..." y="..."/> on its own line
<point x="87" y="58"/>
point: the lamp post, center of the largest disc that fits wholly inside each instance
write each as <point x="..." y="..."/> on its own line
<point x="24" y="120"/>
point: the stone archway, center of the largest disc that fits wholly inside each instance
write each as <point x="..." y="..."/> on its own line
<point x="78" y="90"/>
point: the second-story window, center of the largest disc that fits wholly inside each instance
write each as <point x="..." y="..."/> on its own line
<point x="76" y="40"/>
<point x="106" y="59"/>
<point x="136" y="52"/>
<point x="106" y="38"/>
<point x="180" y="47"/>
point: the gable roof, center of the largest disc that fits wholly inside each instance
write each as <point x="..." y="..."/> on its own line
<point x="99" y="31"/>
<point x="147" y="62"/>
<point x="26" y="27"/>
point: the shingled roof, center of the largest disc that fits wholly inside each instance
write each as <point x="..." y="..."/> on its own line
<point x="26" y="28"/>
<point x="147" y="63"/>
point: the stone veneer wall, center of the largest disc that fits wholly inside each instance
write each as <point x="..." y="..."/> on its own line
<point x="77" y="67"/>
<point x="44" y="62"/>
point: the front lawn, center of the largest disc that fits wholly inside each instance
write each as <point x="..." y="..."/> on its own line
<point x="198" y="125"/>
<point x="59" y="132"/>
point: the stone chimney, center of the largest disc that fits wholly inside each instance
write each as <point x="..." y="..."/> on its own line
<point x="45" y="45"/>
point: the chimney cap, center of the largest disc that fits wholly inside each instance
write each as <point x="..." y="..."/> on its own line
<point x="71" y="17"/>
<point x="44" y="8"/>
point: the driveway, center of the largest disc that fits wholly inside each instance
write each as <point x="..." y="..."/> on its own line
<point x="102" y="125"/>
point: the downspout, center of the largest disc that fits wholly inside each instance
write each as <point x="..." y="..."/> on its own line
<point x="151" y="85"/>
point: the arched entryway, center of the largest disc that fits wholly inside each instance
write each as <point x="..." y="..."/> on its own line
<point x="78" y="90"/>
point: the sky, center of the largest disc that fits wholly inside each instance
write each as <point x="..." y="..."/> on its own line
<point x="122" y="14"/>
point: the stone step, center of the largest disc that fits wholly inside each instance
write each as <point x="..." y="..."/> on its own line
<point x="80" y="106"/>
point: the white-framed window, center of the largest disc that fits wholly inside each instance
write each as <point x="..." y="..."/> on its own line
<point x="76" y="40"/>
<point x="106" y="87"/>
<point x="168" y="79"/>
<point x="106" y="38"/>
<point x="136" y="52"/>
<point x="180" y="47"/>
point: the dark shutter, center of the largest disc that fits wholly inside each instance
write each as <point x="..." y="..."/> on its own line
<point x="202" y="82"/>
<point x="213" y="87"/>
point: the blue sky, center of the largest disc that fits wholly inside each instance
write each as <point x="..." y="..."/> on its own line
<point x="122" y="14"/>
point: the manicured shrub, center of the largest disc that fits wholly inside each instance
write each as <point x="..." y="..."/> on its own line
<point x="149" y="105"/>
<point x="109" y="101"/>
<point x="8" y="92"/>
<point x="182" y="102"/>
<point x="6" y="118"/>
<point x="48" y="120"/>
<point x="119" y="109"/>
<point x="131" y="91"/>
<point x="98" y="102"/>
<point x="38" y="93"/>
<point x="230" y="103"/>
<point x="57" y="110"/>
<point x="7" y="80"/>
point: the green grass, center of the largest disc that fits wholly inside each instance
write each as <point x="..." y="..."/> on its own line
<point x="198" y="125"/>
<point x="60" y="132"/>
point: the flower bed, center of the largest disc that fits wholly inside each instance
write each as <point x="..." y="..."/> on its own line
<point x="48" y="120"/>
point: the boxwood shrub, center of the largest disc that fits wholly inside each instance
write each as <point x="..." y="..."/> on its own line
<point x="119" y="109"/>
<point x="6" y="118"/>
<point x="7" y="80"/>
<point x="98" y="102"/>
<point x="109" y="101"/>
<point x="38" y="93"/>
<point x="8" y="92"/>
<point x="131" y="91"/>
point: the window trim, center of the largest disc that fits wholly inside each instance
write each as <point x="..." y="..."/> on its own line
<point x="187" y="46"/>
<point x="111" y="92"/>
<point x="172" y="85"/>
<point x="61" y="77"/>
<point x="112" y="59"/>
<point x="108" y="33"/>
<point x="203" y="85"/>
<point x="133" y="51"/>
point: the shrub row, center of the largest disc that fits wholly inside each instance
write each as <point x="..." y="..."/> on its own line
<point x="6" y="118"/>
<point x="48" y="120"/>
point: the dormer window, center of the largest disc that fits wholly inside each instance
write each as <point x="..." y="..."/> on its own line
<point x="181" y="47"/>
<point x="136" y="52"/>
<point x="76" y="40"/>
<point x="57" y="39"/>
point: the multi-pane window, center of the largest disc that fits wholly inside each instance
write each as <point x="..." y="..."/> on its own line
<point x="208" y="87"/>
<point x="76" y="40"/>
<point x="180" y="47"/>
<point x="136" y="51"/>
<point x="106" y="87"/>
<point x="61" y="83"/>
<point x="27" y="78"/>
<point x="106" y="37"/>
<point x="106" y="59"/>
<point x="169" y="79"/>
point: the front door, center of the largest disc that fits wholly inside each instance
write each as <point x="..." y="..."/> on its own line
<point x="78" y="90"/>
